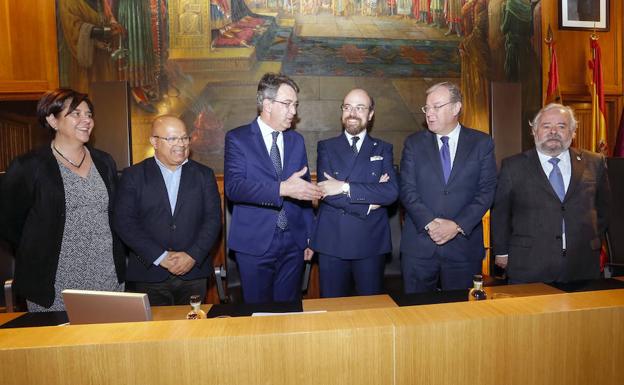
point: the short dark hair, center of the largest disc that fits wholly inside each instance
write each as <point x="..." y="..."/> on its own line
<point x="269" y="84"/>
<point x="53" y="102"/>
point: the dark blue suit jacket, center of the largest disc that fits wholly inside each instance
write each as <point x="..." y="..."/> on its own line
<point x="466" y="197"/>
<point x="343" y="228"/>
<point x="144" y="221"/>
<point x="251" y="183"/>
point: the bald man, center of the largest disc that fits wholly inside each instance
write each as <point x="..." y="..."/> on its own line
<point x="352" y="234"/>
<point x="168" y="212"/>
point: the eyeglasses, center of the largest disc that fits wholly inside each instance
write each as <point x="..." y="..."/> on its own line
<point x="171" y="140"/>
<point x="287" y="103"/>
<point x="359" y="108"/>
<point x="425" y="109"/>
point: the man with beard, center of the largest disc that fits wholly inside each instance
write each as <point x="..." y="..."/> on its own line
<point x="551" y="205"/>
<point x="448" y="180"/>
<point x="356" y="174"/>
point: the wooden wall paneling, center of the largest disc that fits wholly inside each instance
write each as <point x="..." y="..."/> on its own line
<point x="16" y="137"/>
<point x="28" y="49"/>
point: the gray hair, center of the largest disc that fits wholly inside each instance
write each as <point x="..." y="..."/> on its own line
<point x="268" y="86"/>
<point x="555" y="106"/>
<point x="456" y="95"/>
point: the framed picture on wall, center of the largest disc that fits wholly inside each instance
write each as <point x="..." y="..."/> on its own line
<point x="584" y="14"/>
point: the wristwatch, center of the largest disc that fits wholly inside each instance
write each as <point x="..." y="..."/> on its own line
<point x="346" y="188"/>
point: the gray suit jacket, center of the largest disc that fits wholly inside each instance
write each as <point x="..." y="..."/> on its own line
<point x="527" y="216"/>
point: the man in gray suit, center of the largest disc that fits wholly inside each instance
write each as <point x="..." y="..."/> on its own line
<point x="551" y="205"/>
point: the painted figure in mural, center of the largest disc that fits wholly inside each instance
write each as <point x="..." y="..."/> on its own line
<point x="420" y="10"/>
<point x="238" y="26"/>
<point x="56" y="206"/>
<point x="436" y="9"/>
<point x="267" y="180"/>
<point x="474" y="52"/>
<point x="168" y="212"/>
<point x="448" y="180"/>
<point x="404" y="8"/>
<point x="89" y="34"/>
<point x="189" y="19"/>
<point x="453" y="12"/>
<point x="352" y="232"/>
<point x="532" y="235"/>
<point x="146" y="24"/>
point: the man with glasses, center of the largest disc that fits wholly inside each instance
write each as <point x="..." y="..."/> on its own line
<point x="168" y="212"/>
<point x="267" y="180"/>
<point x="448" y="180"/>
<point x="352" y="233"/>
<point x="552" y="205"/>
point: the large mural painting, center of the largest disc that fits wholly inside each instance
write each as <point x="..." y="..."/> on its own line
<point x="201" y="59"/>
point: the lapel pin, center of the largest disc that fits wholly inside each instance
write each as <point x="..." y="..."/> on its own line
<point x="374" y="143"/>
<point x="578" y="157"/>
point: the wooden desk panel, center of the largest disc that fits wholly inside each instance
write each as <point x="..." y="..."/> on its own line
<point x="553" y="339"/>
<point x="295" y="349"/>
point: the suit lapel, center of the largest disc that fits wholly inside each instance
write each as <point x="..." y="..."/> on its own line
<point x="260" y="146"/>
<point x="157" y="182"/>
<point x="348" y="158"/>
<point x="534" y="162"/>
<point x="578" y="167"/>
<point x="433" y="152"/>
<point x="287" y="157"/>
<point x="185" y="180"/>
<point x="465" y="144"/>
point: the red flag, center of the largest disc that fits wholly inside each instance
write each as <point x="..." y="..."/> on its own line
<point x="599" y="126"/>
<point x="618" y="150"/>
<point x="553" y="94"/>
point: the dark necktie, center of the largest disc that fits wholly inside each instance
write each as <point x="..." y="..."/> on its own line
<point x="282" y="221"/>
<point x="556" y="181"/>
<point x="445" y="155"/>
<point x="354" y="141"/>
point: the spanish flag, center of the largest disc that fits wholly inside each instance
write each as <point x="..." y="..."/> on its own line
<point x="599" y="126"/>
<point x="553" y="94"/>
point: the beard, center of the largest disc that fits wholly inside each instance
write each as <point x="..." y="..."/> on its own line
<point x="354" y="128"/>
<point x="553" y="145"/>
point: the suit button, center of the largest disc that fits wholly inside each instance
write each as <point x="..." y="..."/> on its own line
<point x="558" y="237"/>
<point x="562" y="208"/>
<point x="446" y="192"/>
<point x="173" y="227"/>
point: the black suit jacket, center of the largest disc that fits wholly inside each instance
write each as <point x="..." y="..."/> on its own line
<point x="144" y="221"/>
<point x="32" y="219"/>
<point x="527" y="216"/>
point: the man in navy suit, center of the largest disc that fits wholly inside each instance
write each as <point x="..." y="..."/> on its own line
<point x="267" y="179"/>
<point x="352" y="234"/>
<point x="168" y="212"/>
<point x="448" y="181"/>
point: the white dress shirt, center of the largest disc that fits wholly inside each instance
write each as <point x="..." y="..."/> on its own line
<point x="267" y="136"/>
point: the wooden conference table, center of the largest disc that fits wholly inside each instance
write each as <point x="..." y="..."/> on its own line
<point x="530" y="334"/>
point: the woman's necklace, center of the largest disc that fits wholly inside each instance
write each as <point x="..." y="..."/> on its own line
<point x="84" y="155"/>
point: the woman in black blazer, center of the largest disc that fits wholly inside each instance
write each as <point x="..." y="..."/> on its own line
<point x="55" y="209"/>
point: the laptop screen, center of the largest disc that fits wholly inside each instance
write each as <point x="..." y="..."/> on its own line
<point x="90" y="306"/>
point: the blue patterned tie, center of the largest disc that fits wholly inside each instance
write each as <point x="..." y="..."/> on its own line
<point x="556" y="181"/>
<point x="354" y="141"/>
<point x="445" y="155"/>
<point x="282" y="221"/>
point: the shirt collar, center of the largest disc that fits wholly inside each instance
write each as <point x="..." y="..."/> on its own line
<point x="453" y="135"/>
<point x="564" y="156"/>
<point x="265" y="129"/>
<point x="361" y="135"/>
<point x="165" y="168"/>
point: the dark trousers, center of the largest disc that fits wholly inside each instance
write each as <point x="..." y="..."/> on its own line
<point x="338" y="276"/>
<point x="424" y="274"/>
<point x="172" y="291"/>
<point x="274" y="276"/>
